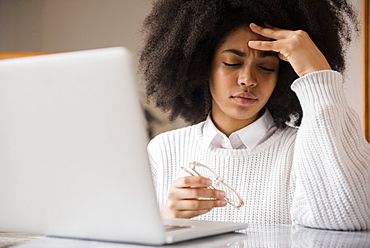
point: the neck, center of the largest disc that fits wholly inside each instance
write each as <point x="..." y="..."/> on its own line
<point x="228" y="125"/>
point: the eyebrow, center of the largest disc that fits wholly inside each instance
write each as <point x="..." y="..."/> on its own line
<point x="237" y="52"/>
<point x="242" y="54"/>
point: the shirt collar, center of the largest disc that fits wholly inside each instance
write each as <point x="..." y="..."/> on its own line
<point x="247" y="137"/>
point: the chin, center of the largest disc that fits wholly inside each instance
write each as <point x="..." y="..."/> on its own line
<point x="245" y="117"/>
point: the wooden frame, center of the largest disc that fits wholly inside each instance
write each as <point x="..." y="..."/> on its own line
<point x="366" y="67"/>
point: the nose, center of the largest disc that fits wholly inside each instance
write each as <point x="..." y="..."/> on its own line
<point x="247" y="78"/>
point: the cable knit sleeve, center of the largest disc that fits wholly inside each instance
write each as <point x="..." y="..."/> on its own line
<point x="331" y="161"/>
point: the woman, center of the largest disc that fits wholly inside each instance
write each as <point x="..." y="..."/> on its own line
<point x="243" y="86"/>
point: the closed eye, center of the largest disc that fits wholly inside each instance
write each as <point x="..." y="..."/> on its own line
<point x="231" y="65"/>
<point x="267" y="69"/>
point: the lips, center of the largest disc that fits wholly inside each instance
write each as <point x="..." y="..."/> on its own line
<point x="244" y="98"/>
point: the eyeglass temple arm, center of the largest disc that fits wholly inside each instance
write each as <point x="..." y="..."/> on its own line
<point x="190" y="172"/>
<point x="194" y="173"/>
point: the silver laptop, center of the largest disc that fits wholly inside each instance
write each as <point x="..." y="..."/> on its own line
<point x="73" y="159"/>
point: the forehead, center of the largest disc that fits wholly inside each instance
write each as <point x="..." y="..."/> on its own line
<point x="240" y="37"/>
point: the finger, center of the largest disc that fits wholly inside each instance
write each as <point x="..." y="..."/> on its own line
<point x="272" y="33"/>
<point x="190" y="213"/>
<point x="189" y="208"/>
<point x="194" y="205"/>
<point x="171" y="211"/>
<point x="197" y="193"/>
<point x="275" y="46"/>
<point x="192" y="181"/>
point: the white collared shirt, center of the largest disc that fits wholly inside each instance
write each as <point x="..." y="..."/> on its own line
<point x="245" y="138"/>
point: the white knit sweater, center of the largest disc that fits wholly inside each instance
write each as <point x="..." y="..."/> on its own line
<point x="316" y="176"/>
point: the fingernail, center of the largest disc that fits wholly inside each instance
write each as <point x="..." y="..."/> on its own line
<point x="223" y="203"/>
<point x="222" y="194"/>
<point x="251" y="42"/>
<point x="208" y="182"/>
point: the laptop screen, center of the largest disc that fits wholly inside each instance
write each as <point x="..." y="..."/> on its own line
<point x="73" y="148"/>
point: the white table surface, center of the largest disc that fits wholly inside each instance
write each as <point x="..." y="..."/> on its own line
<point x="254" y="236"/>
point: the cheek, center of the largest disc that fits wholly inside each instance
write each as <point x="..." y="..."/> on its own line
<point x="212" y="88"/>
<point x="271" y="88"/>
<point x="219" y="82"/>
<point x="267" y="87"/>
<point x="215" y="89"/>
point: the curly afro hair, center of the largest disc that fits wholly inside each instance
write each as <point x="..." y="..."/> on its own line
<point x="182" y="36"/>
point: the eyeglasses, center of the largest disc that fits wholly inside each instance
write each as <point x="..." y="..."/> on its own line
<point x="201" y="170"/>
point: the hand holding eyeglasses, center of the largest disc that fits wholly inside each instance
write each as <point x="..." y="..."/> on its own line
<point x="184" y="194"/>
<point x="197" y="194"/>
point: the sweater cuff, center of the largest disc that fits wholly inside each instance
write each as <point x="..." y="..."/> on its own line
<point x="321" y="88"/>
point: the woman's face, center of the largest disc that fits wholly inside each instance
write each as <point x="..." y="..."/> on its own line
<point x="242" y="80"/>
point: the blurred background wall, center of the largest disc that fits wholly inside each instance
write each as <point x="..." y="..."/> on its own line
<point x="70" y="25"/>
